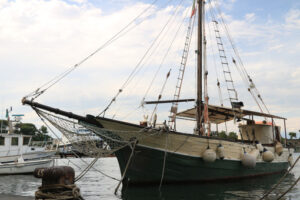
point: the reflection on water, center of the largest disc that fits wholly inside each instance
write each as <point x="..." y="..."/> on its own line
<point x="95" y="186"/>
<point x="246" y="189"/>
<point x="19" y="184"/>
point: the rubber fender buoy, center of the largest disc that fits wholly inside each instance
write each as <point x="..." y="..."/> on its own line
<point x="209" y="155"/>
<point x="267" y="155"/>
<point x="278" y="148"/>
<point x="291" y="160"/>
<point x="255" y="153"/>
<point x="248" y="160"/>
<point x="221" y="151"/>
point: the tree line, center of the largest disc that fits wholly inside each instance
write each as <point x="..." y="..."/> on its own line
<point x="38" y="134"/>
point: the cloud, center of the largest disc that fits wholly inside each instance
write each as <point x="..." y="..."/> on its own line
<point x="250" y="17"/>
<point x="292" y="19"/>
<point x="40" y="39"/>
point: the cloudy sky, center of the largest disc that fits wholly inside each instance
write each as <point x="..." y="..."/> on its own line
<point x="42" y="38"/>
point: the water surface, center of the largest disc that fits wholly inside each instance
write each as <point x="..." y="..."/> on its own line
<point x="94" y="185"/>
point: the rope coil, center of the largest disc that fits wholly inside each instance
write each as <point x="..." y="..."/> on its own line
<point x="59" y="191"/>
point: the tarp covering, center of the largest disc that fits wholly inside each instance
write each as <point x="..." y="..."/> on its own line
<point x="218" y="114"/>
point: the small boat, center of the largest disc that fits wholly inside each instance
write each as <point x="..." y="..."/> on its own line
<point x="16" y="157"/>
<point x="24" y="167"/>
<point x="14" y="145"/>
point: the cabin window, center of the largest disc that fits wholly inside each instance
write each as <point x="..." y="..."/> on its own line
<point x="2" y="141"/>
<point x="26" y="140"/>
<point x="14" y="141"/>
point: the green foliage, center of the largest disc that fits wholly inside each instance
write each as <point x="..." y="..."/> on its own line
<point x="4" y="122"/>
<point x="26" y="128"/>
<point x="41" y="137"/>
<point x="233" y="136"/>
<point x="30" y="129"/>
<point x="4" y="125"/>
<point x="222" y="134"/>
<point x="292" y="135"/>
<point x="43" y="129"/>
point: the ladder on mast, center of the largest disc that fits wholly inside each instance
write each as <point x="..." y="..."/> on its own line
<point x="233" y="96"/>
<point x="185" y="53"/>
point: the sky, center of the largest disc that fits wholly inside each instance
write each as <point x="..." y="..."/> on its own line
<point x="42" y="38"/>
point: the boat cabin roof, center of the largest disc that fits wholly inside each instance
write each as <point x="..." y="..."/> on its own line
<point x="218" y="114"/>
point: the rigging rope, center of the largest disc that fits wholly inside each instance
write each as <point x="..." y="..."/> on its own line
<point x="243" y="72"/>
<point x="185" y="54"/>
<point x="53" y="132"/>
<point x="160" y="95"/>
<point x="161" y="63"/>
<point x="215" y="64"/>
<point x="136" y="68"/>
<point x="39" y="91"/>
<point x="166" y="54"/>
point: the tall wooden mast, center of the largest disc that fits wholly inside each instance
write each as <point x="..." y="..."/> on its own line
<point x="199" y="68"/>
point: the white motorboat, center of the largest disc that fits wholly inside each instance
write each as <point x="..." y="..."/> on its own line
<point x="14" y="145"/>
<point x="24" y="167"/>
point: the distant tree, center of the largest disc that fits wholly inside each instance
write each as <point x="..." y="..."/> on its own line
<point x="41" y="134"/>
<point x="222" y="134"/>
<point x="233" y="135"/>
<point x="26" y="129"/>
<point x="292" y="135"/>
<point x="3" y="122"/>
<point x="43" y="129"/>
<point x="3" y="125"/>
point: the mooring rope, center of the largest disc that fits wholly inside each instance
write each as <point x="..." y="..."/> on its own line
<point x="164" y="163"/>
<point x="127" y="166"/>
<point x="281" y="179"/>
<point x="292" y="186"/>
<point x="59" y="191"/>
<point x="86" y="169"/>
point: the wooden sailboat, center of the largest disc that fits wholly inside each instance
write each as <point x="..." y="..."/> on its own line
<point x="161" y="154"/>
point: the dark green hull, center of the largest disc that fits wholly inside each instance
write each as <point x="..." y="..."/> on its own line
<point x="147" y="164"/>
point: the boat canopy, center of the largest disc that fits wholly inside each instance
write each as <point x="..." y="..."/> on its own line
<point x="218" y="114"/>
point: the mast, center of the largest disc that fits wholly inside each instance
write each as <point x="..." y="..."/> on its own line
<point x="199" y="69"/>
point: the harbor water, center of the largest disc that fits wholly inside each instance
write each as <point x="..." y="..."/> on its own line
<point x="95" y="185"/>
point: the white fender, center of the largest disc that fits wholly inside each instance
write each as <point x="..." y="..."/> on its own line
<point x="255" y="153"/>
<point x="278" y="148"/>
<point x="248" y="160"/>
<point x="291" y="160"/>
<point x="267" y="156"/>
<point x="209" y="155"/>
<point x="220" y="151"/>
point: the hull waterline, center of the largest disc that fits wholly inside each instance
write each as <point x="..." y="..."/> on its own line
<point x="146" y="167"/>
